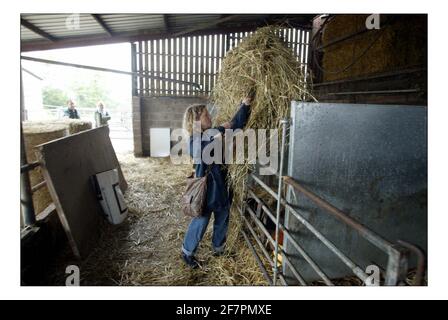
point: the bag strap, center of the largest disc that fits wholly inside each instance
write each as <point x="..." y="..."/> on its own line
<point x="208" y="170"/>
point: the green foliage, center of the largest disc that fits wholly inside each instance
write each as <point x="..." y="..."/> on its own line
<point x="87" y="92"/>
<point x="54" y="96"/>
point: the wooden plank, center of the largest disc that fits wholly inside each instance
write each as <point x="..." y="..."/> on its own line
<point x="197" y="62"/>
<point x="140" y="67"/>
<point x="212" y="63"/>
<point x="67" y="165"/>
<point x="156" y="67"/>
<point x="170" y="73"/>
<point x="134" y="68"/>
<point x="146" y="81"/>
<point x="191" y="62"/>
<point x="186" y="53"/>
<point x="307" y="53"/>
<point x="294" y="39"/>
<point x="201" y="63"/>
<point x="46" y="212"/>
<point x="162" y="65"/>
<point x="180" y="65"/>
<point x="206" y="61"/>
<point x="302" y="47"/>
<point x="175" y="65"/>
<point x="152" y="92"/>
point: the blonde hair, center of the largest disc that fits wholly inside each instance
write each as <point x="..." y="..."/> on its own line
<point x="192" y="114"/>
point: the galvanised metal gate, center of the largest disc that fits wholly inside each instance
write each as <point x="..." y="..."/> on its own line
<point x="304" y="262"/>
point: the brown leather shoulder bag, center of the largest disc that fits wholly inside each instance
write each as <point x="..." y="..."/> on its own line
<point x="194" y="198"/>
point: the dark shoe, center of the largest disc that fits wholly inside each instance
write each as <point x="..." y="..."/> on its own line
<point x="218" y="253"/>
<point x="190" y="261"/>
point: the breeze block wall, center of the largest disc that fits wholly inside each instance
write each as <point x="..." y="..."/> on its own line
<point x="157" y="112"/>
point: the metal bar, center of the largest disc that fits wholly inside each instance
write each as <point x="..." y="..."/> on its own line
<point x="37" y="30"/>
<point x="166" y="22"/>
<point x="261" y="226"/>
<point x="103" y="24"/>
<point x="372" y="92"/>
<point x="361" y="229"/>
<point x="38" y="186"/>
<point x="304" y="254"/>
<point x="138" y="73"/>
<point x="421" y="264"/>
<point x="341" y="39"/>
<point x="283" y="123"/>
<point x="131" y="36"/>
<point x="257" y="258"/>
<point x="294" y="271"/>
<point x="282" y="279"/>
<point x="377" y="76"/>
<point x="272" y="262"/>
<point x="348" y="262"/>
<point x="397" y="265"/>
<point x="29" y="166"/>
<point x="260" y="244"/>
<point x="205" y="26"/>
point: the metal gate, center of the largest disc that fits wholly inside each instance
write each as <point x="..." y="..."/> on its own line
<point x="322" y="242"/>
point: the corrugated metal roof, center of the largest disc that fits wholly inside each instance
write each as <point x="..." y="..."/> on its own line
<point x="46" y="31"/>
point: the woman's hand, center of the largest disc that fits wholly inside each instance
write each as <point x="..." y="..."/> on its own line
<point x="227" y="125"/>
<point x="247" y="101"/>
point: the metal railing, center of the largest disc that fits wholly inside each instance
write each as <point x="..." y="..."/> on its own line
<point x="397" y="254"/>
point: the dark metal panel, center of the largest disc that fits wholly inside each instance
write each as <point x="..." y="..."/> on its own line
<point x="370" y="161"/>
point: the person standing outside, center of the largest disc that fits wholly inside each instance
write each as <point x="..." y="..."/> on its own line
<point x="101" y="115"/>
<point x="71" y="111"/>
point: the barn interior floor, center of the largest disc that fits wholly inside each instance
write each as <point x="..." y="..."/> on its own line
<point x="146" y="248"/>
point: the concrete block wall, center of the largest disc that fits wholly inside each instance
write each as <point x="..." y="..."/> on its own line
<point x="157" y="112"/>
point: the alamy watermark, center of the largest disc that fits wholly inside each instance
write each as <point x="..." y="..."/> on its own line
<point x="252" y="146"/>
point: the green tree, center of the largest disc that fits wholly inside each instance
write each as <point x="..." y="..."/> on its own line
<point x="87" y="93"/>
<point x="54" y="96"/>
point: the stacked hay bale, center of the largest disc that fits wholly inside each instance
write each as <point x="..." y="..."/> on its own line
<point x="262" y="62"/>
<point x="36" y="134"/>
<point x="395" y="45"/>
<point x="39" y="132"/>
<point x="73" y="125"/>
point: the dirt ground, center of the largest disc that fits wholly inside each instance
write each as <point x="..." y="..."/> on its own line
<point x="146" y="249"/>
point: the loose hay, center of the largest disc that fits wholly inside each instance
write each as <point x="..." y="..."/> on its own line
<point x="146" y="249"/>
<point x="264" y="63"/>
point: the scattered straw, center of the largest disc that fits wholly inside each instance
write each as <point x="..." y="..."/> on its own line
<point x="146" y="248"/>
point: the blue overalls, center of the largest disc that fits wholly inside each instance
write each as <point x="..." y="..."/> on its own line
<point x="219" y="197"/>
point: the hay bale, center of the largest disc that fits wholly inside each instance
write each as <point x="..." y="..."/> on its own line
<point x="396" y="45"/>
<point x="72" y="125"/>
<point x="35" y="134"/>
<point x="75" y="125"/>
<point x="262" y="62"/>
